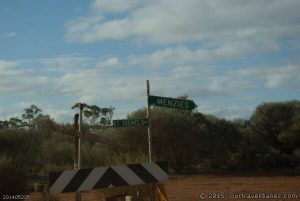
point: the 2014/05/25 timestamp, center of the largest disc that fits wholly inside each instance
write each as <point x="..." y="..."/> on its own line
<point x="15" y="197"/>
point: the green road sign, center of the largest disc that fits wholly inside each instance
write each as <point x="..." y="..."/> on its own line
<point x="172" y="103"/>
<point x="130" y="122"/>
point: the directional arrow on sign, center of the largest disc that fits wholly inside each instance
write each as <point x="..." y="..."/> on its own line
<point x="130" y="122"/>
<point x="172" y="103"/>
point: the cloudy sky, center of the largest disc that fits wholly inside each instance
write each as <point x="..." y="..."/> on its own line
<point x="228" y="56"/>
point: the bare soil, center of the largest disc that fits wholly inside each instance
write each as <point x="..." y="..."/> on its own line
<point x="214" y="187"/>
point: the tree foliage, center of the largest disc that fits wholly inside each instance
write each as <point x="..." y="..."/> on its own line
<point x="30" y="113"/>
<point x="277" y="126"/>
<point x="188" y="140"/>
<point x="13" y="179"/>
<point x="95" y="115"/>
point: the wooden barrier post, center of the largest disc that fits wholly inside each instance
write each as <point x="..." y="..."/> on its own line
<point x="160" y="192"/>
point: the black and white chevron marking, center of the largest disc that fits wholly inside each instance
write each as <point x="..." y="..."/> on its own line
<point x="106" y="177"/>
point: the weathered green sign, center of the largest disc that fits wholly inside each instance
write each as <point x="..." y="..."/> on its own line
<point x="130" y="122"/>
<point x="172" y="103"/>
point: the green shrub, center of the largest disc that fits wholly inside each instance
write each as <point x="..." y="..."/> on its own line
<point x="13" y="180"/>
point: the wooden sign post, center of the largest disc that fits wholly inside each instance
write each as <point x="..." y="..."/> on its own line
<point x="149" y="120"/>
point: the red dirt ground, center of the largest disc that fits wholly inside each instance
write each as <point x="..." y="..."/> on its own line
<point x="205" y="187"/>
<point x="195" y="187"/>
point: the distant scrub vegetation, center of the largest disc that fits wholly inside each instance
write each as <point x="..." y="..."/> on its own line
<point x="189" y="140"/>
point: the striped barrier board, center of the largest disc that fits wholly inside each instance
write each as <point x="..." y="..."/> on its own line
<point x="106" y="177"/>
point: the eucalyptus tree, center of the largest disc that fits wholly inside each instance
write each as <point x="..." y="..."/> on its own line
<point x="106" y="118"/>
<point x="15" y="122"/>
<point x="4" y="124"/>
<point x="92" y="112"/>
<point x="96" y="116"/>
<point x="30" y="113"/>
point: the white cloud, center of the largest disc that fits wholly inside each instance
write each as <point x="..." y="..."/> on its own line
<point x="65" y="63"/>
<point x="16" y="80"/>
<point x="117" y="29"/>
<point x="114" y="6"/>
<point x="109" y="63"/>
<point x="183" y="55"/>
<point x="230" y="112"/>
<point x="10" y="34"/>
<point x="6" y="65"/>
<point x="83" y="79"/>
<point x="189" y="71"/>
<point x="93" y="85"/>
<point x="280" y="76"/>
<point x="194" y="41"/>
<point x="169" y="21"/>
<point x="60" y="115"/>
<point x="285" y="76"/>
<point x="78" y="26"/>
